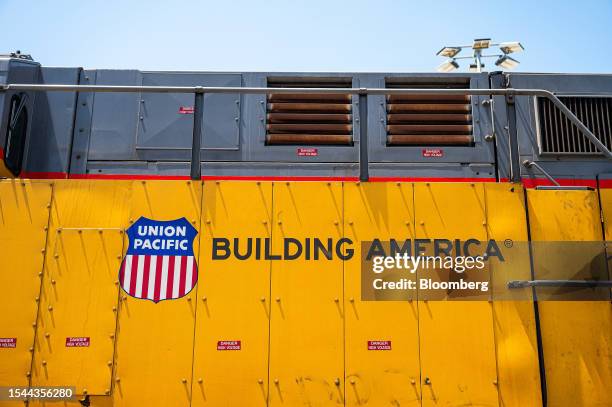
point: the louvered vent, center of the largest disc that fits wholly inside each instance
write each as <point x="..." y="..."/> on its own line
<point x="429" y="120"/>
<point x="559" y="136"/>
<point x="309" y="119"/>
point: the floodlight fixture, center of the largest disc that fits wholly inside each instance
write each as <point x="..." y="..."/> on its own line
<point x="510" y="47"/>
<point x="477" y="55"/>
<point x="448" y="66"/>
<point x="449" y="52"/>
<point x="506" y="62"/>
<point x="475" y="68"/>
<point x="481" y="43"/>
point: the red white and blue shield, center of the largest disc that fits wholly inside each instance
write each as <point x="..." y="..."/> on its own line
<point x="159" y="263"/>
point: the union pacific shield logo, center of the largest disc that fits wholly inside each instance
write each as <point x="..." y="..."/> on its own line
<point x="159" y="263"/>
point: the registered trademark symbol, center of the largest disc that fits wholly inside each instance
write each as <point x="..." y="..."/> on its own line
<point x="508" y="243"/>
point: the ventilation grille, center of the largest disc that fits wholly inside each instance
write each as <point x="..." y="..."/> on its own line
<point x="559" y="136"/>
<point x="309" y="119"/>
<point x="429" y="120"/>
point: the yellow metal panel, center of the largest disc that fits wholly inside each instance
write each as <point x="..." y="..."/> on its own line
<point x="515" y="335"/>
<point x="234" y="300"/>
<point x="457" y="338"/>
<point x="79" y="302"/>
<point x="306" y="330"/>
<point x="605" y="195"/>
<point x="79" y="295"/>
<point x="576" y="336"/>
<point x="391" y="377"/>
<point x="155" y="341"/>
<point x="24" y="213"/>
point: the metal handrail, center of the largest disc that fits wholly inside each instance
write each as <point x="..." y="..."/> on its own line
<point x="199" y="92"/>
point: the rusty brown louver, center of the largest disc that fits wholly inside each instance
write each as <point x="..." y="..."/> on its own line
<point x="429" y="120"/>
<point x="309" y="119"/>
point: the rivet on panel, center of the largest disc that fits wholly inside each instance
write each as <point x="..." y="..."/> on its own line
<point x="260" y="381"/>
<point x="143" y="182"/>
<point x="80" y="231"/>
<point x="287" y="183"/>
<point x="412" y="381"/>
<point x="208" y="221"/>
<point x="217" y="182"/>
<point x="275" y="381"/>
<point x="107" y="391"/>
<point x="84" y="391"/>
<point x="484" y="223"/>
<point x="336" y="299"/>
<point x="59" y="231"/>
<point x="45" y="228"/>
<point x="200" y="380"/>
<point x="265" y="222"/>
<point x="337" y="381"/>
<point x="47" y="334"/>
<point x="494" y="382"/>
<point x="262" y="299"/>
<point x="421" y="223"/>
<point x="189" y="299"/>
<point x="193" y="221"/>
<point x="407" y="223"/>
<point x="188" y="182"/>
<point x="44" y="363"/>
<point x="183" y="380"/>
<point x="33" y="324"/>
<point x="280" y="222"/>
<point x="124" y="298"/>
<point x="31" y="349"/>
<point x="118" y="379"/>
<point x="119" y="256"/>
<point x="351" y="299"/>
<point x="398" y="184"/>
<point x="335" y="222"/>
<point x="203" y="298"/>
<point x="28" y="374"/>
<point x="48" y="206"/>
<point x="116" y="282"/>
<point x="112" y="336"/>
<point x="114" y="309"/>
<point x="350" y="222"/>
<point x="258" y="183"/>
<point x="37" y="299"/>
<point x="56" y="256"/>
<point x="40" y="274"/>
<point x="50" y="308"/>
<point x="427" y="183"/>
<point x="42" y="250"/>
<point x="109" y="363"/>
<point x="357" y="183"/>
<point x="277" y="299"/>
<point x="352" y="381"/>
<point x="100" y="231"/>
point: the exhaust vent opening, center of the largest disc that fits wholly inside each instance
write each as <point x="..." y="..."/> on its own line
<point x="309" y="119"/>
<point x="557" y="135"/>
<point x="429" y="120"/>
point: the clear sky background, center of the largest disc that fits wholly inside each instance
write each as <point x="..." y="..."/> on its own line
<point x="313" y="35"/>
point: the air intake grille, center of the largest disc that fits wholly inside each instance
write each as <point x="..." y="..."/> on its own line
<point x="559" y="136"/>
<point x="429" y="120"/>
<point x="309" y="119"/>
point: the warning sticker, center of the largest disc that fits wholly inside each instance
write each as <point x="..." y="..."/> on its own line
<point x="433" y="152"/>
<point x="307" y="152"/>
<point x="8" y="342"/>
<point x="185" y="110"/>
<point x="77" y="342"/>
<point x="379" y="345"/>
<point x="229" y="345"/>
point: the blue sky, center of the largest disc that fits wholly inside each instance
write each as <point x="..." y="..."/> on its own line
<point x="314" y="35"/>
